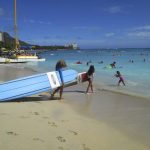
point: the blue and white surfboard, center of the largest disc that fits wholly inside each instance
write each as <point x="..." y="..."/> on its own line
<point x="35" y="84"/>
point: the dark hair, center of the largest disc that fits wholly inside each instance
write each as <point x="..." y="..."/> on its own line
<point x="91" y="70"/>
<point x="118" y="72"/>
<point x="61" y="64"/>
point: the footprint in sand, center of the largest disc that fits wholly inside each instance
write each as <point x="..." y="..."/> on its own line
<point x="75" y="133"/>
<point x="62" y="148"/>
<point x="45" y="117"/>
<point x="64" y="121"/>
<point x="85" y="148"/>
<point x="3" y="114"/>
<point x="52" y="124"/>
<point x="11" y="133"/>
<point x="61" y="139"/>
<point x="38" y="139"/>
<point x="24" y="117"/>
<point x="36" y="113"/>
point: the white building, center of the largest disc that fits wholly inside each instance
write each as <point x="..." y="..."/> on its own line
<point x="75" y="46"/>
<point x="1" y="36"/>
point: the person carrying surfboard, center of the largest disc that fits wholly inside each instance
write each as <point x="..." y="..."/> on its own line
<point x="60" y="65"/>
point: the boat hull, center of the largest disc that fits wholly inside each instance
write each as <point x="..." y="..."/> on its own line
<point x="20" y="60"/>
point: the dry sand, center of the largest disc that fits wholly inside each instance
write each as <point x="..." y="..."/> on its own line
<point x="99" y="121"/>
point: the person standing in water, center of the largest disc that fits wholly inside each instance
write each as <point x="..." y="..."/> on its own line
<point x="113" y="65"/>
<point x="60" y="66"/>
<point x="90" y="75"/>
<point x="118" y="75"/>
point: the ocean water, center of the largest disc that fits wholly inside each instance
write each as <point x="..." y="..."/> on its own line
<point x="136" y="74"/>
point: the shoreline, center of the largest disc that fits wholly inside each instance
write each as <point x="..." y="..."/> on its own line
<point x="12" y="71"/>
<point x="98" y="82"/>
<point x="120" y="91"/>
<point x="23" y="71"/>
<point x="113" y="87"/>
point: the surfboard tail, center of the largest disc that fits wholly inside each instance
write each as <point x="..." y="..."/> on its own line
<point x="82" y="77"/>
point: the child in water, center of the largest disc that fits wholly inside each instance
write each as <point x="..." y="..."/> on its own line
<point x="113" y="65"/>
<point x="90" y="76"/>
<point x="118" y="75"/>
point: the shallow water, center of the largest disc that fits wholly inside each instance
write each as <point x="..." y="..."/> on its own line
<point x="136" y="74"/>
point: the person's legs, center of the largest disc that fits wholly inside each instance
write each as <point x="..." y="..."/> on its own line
<point x="123" y="82"/>
<point x="52" y="95"/>
<point x="61" y="91"/>
<point x="87" y="90"/>
<point x="91" y="87"/>
<point x="119" y="82"/>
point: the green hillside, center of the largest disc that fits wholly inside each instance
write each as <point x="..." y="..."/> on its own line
<point x="8" y="41"/>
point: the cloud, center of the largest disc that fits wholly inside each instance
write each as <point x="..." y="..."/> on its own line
<point x="140" y="34"/>
<point x="146" y="27"/>
<point x="109" y="34"/>
<point x="1" y="11"/>
<point x="31" y="21"/>
<point x="114" y="9"/>
<point x="39" y="22"/>
<point x="86" y="28"/>
<point x="56" y="41"/>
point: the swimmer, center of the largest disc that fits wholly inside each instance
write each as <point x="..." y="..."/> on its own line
<point x="113" y="65"/>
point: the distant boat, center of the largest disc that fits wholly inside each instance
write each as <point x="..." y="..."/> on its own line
<point x="21" y="59"/>
<point x="8" y="60"/>
<point x="29" y="58"/>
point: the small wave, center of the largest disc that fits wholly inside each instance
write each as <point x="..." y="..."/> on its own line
<point x="131" y="83"/>
<point x="124" y="92"/>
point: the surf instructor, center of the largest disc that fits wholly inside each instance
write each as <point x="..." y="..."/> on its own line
<point x="60" y="66"/>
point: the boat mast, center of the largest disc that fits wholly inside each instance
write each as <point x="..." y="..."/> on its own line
<point x="16" y="42"/>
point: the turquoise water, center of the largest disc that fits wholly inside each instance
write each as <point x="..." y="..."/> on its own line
<point x="136" y="74"/>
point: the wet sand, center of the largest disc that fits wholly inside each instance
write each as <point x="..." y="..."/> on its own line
<point x="100" y="121"/>
<point x="128" y="115"/>
<point x="14" y="71"/>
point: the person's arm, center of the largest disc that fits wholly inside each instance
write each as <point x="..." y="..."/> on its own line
<point x="61" y="76"/>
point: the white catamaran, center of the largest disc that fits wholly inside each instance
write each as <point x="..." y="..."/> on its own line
<point x="19" y="57"/>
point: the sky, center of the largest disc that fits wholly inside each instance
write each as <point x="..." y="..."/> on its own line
<point x="89" y="23"/>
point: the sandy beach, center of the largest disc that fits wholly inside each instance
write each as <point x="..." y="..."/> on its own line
<point x="100" y="121"/>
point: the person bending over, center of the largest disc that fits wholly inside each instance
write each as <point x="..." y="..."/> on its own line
<point x="118" y="75"/>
